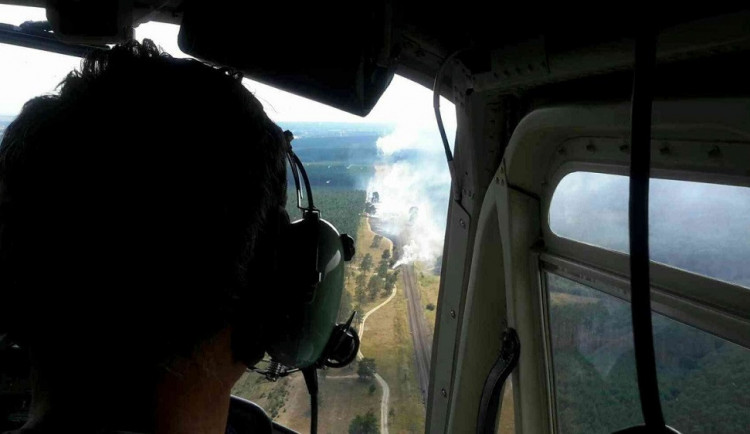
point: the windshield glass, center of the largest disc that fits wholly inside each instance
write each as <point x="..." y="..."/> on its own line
<point x="26" y="73"/>
<point x="384" y="181"/>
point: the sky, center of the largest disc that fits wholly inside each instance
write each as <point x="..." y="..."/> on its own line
<point x="25" y="73"/>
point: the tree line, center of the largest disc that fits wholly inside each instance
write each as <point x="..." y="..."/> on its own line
<point x="704" y="381"/>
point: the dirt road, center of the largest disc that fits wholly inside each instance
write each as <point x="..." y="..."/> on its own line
<point x="383" y="384"/>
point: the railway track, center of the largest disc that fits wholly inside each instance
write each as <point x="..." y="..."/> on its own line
<point x="418" y="328"/>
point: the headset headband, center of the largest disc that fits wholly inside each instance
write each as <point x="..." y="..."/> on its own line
<point x="297" y="168"/>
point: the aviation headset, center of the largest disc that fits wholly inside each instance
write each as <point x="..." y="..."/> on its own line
<point x="305" y="289"/>
<point x="300" y="268"/>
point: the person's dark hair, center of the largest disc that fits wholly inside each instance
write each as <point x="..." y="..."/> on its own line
<point x="131" y="204"/>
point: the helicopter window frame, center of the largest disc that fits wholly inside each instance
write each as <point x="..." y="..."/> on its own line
<point x="551" y="141"/>
<point x="708" y="304"/>
<point x="718" y="307"/>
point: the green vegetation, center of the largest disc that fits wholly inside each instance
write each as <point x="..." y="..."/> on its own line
<point x="383" y="268"/>
<point x="386" y="279"/>
<point x="340" y="207"/>
<point x="365" y="297"/>
<point x="361" y="279"/>
<point x="704" y="381"/>
<point x="358" y="149"/>
<point x="390" y="281"/>
<point x="360" y="294"/>
<point x="339" y="176"/>
<point x="366" y="264"/>
<point x="342" y="398"/>
<point x="276" y="398"/>
<point x="364" y="424"/>
<point x="366" y="368"/>
<point x="428" y="281"/>
<point x="271" y="396"/>
<point x="373" y="286"/>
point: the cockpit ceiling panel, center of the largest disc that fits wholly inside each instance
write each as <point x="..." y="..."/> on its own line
<point x="338" y="53"/>
<point x="344" y="53"/>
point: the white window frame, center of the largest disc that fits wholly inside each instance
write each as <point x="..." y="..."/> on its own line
<point x="718" y="307"/>
<point x="695" y="140"/>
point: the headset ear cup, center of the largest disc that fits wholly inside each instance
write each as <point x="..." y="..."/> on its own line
<point x="254" y="313"/>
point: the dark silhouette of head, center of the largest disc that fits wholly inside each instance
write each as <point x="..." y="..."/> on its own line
<point x="133" y="205"/>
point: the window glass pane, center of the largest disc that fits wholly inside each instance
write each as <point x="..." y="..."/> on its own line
<point x="379" y="196"/>
<point x="380" y="193"/>
<point x="27" y="73"/>
<point x="704" y="381"/>
<point x="17" y="15"/>
<point x="695" y="226"/>
<point x="383" y="180"/>
<point x="24" y="74"/>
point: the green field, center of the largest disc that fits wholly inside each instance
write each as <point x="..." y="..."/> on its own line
<point x="341" y="398"/>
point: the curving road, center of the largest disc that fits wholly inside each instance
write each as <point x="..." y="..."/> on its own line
<point x="383" y="404"/>
<point x="383" y="384"/>
<point x="418" y="328"/>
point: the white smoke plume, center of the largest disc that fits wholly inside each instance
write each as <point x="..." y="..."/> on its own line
<point x="413" y="185"/>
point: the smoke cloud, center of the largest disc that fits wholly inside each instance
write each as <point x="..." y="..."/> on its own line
<point x="413" y="185"/>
